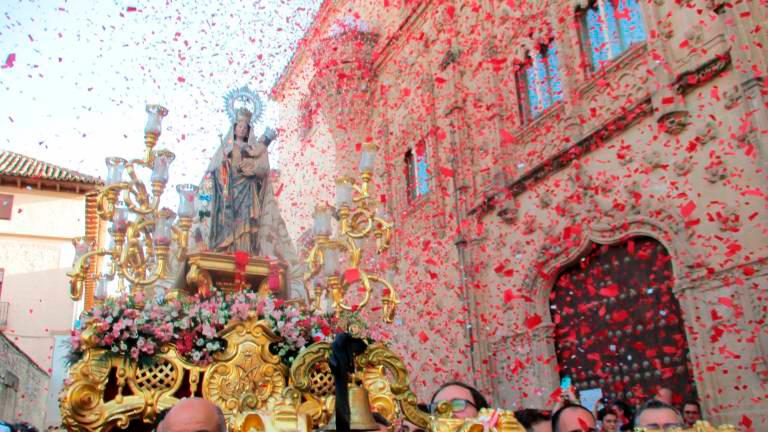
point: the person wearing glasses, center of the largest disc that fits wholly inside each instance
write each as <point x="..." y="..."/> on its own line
<point x="655" y="415"/>
<point x="465" y="401"/>
<point x="572" y="417"/>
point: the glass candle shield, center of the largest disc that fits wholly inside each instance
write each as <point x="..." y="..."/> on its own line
<point x="343" y="192"/>
<point x="368" y="158"/>
<point x="187" y="194"/>
<point x="120" y="219"/>
<point x="155" y="114"/>
<point x="164" y="227"/>
<point x="115" y="168"/>
<point x="161" y="166"/>
<point x="321" y="221"/>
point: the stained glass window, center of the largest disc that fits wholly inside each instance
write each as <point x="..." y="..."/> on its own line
<point x="610" y="27"/>
<point x="539" y="81"/>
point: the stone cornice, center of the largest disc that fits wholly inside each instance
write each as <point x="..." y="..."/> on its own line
<point x="707" y="281"/>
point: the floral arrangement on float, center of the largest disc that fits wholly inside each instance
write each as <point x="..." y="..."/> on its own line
<point x="125" y="327"/>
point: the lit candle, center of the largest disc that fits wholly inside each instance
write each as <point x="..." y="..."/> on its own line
<point x="187" y="194"/>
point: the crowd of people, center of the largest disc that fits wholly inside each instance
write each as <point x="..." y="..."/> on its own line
<point x="656" y="414"/>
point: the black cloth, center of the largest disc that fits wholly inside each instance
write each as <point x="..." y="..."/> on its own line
<point x="342" y="362"/>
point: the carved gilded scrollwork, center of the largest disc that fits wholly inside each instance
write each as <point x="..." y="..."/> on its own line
<point x="81" y="403"/>
<point x="246" y="375"/>
<point x="249" y="383"/>
<point x="311" y="375"/>
<point x="505" y="421"/>
<point x="380" y="357"/>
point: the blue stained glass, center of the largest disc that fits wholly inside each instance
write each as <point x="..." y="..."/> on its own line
<point x="598" y="50"/>
<point x="631" y="22"/>
<point x="542" y="84"/>
<point x="533" y="96"/>
<point x="422" y="186"/>
<point x="553" y="71"/>
<point x="613" y="30"/>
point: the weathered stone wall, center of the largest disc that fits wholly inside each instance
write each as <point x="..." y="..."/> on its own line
<point x="24" y="386"/>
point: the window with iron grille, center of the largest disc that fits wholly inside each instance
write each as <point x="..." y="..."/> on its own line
<point x="417" y="171"/>
<point x="609" y="28"/>
<point x="538" y="81"/>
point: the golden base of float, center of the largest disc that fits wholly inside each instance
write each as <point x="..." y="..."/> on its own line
<point x="249" y="383"/>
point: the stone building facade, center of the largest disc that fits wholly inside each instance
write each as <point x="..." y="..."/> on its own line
<point x="24" y="386"/>
<point x="657" y="135"/>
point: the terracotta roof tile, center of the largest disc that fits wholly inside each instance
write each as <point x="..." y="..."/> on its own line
<point x="16" y="165"/>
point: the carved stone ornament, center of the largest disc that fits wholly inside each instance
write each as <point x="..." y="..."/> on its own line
<point x="580" y="178"/>
<point x="675" y="122"/>
<point x="707" y="132"/>
<point x="683" y="165"/>
<point x="529" y="224"/>
<point x="667" y="29"/>
<point x="715" y="172"/>
<point x="545" y="200"/>
<point x="695" y="35"/>
<point x="728" y="219"/>
<point x="654" y="159"/>
<point x="508" y="211"/>
<point x="732" y="97"/>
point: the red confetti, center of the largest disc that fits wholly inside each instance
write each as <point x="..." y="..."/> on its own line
<point x="532" y="321"/>
<point x="423" y="337"/>
<point x="9" y="61"/>
<point x="687" y="209"/>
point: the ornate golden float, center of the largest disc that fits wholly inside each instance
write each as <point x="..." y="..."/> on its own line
<point x="115" y="388"/>
<point x="257" y="388"/>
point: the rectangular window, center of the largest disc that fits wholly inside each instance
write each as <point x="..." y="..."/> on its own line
<point x="609" y="28"/>
<point x="538" y="81"/>
<point x="6" y="206"/>
<point x="417" y="172"/>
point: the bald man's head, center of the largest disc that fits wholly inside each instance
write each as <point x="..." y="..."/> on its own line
<point x="194" y="415"/>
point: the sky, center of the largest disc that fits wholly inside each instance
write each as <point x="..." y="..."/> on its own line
<point x="76" y="75"/>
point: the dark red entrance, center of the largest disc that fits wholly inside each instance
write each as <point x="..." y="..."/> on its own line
<point x="618" y="325"/>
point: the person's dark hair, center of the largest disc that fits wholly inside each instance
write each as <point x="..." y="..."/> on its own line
<point x="692" y="402"/>
<point x="160" y="417"/>
<point x="477" y="398"/>
<point x="529" y="417"/>
<point x="380" y="419"/>
<point x="654" y="404"/>
<point x="604" y="412"/>
<point x="566" y="406"/>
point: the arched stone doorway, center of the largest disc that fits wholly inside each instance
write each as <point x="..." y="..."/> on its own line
<point x="618" y="325"/>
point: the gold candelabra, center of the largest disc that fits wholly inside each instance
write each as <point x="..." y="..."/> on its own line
<point x="358" y="221"/>
<point x="142" y="232"/>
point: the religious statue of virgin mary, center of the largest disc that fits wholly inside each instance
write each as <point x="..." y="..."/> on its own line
<point x="244" y="212"/>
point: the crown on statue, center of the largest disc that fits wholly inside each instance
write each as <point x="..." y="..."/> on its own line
<point x="243" y="114"/>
